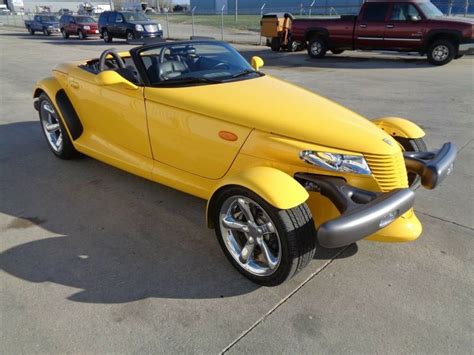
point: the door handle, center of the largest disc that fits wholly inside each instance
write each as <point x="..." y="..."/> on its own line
<point x="363" y="26"/>
<point x="74" y="84"/>
<point x="389" y="26"/>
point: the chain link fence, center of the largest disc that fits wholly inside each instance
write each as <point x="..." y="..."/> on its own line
<point x="245" y="27"/>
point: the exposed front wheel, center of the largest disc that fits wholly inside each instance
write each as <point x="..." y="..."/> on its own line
<point x="107" y="36"/>
<point x="54" y="131"/>
<point x="265" y="244"/>
<point x="412" y="145"/>
<point x="441" y="52"/>
<point x="317" y="47"/>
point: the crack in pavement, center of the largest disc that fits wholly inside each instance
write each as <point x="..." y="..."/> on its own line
<point x="282" y="301"/>
<point x="446" y="220"/>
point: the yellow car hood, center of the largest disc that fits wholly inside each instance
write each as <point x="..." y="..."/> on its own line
<point x="275" y="106"/>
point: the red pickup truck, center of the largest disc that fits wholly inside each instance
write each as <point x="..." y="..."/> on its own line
<point x="395" y="25"/>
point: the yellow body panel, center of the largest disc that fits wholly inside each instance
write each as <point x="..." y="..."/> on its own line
<point x="198" y="139"/>
<point x="399" y="127"/>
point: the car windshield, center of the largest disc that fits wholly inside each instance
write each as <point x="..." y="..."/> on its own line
<point x="195" y="63"/>
<point x="85" y="20"/>
<point x="135" y="16"/>
<point x="430" y="10"/>
<point x="49" y="19"/>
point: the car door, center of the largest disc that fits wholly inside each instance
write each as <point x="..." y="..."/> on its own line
<point x="370" y="25"/>
<point x="114" y="120"/>
<point x="120" y="26"/>
<point x="404" y="27"/>
<point x="72" y="26"/>
<point x="37" y="23"/>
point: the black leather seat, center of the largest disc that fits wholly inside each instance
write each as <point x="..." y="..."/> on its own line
<point x="166" y="70"/>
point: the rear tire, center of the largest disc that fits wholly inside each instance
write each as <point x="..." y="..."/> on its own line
<point x="289" y="235"/>
<point x="107" y="36"/>
<point x="441" y="52"/>
<point x="317" y="47"/>
<point x="54" y="130"/>
<point x="412" y="145"/>
<point x="275" y="44"/>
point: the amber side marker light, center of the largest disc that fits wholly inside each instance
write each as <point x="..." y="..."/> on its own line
<point x="228" y="136"/>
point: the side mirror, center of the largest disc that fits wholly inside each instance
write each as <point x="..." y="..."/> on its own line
<point x="256" y="63"/>
<point x="110" y="77"/>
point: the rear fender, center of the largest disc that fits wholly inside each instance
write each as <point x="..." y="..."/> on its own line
<point x="274" y="186"/>
<point x="399" y="127"/>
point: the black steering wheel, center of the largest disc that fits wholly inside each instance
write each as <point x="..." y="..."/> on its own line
<point x="114" y="54"/>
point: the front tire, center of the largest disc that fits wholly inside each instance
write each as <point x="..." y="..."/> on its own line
<point x="441" y="52"/>
<point x="265" y="244"/>
<point x="54" y="130"/>
<point x="317" y="47"/>
<point x="412" y="145"/>
<point x="130" y="36"/>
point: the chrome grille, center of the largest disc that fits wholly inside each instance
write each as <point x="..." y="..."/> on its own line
<point x="388" y="170"/>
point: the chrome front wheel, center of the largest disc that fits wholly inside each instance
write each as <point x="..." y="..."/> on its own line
<point x="250" y="235"/>
<point x="265" y="244"/>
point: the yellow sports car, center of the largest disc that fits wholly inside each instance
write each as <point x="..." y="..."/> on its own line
<point x="279" y="179"/>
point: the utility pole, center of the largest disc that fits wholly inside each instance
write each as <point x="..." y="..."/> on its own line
<point x="236" y="10"/>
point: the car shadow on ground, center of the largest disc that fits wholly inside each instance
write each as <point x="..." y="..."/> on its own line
<point x="112" y="236"/>
<point x="347" y="60"/>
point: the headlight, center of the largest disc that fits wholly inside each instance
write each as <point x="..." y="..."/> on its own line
<point x="355" y="164"/>
<point x="139" y="28"/>
<point x="159" y="27"/>
<point x="87" y="27"/>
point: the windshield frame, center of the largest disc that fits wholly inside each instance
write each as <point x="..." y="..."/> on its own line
<point x="140" y="65"/>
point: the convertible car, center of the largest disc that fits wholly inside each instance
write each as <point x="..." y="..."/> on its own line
<point x="279" y="179"/>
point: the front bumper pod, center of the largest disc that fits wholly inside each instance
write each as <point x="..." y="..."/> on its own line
<point x="432" y="167"/>
<point x="362" y="212"/>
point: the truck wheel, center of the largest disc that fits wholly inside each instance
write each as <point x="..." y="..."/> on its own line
<point x="265" y="244"/>
<point x="130" y="36"/>
<point x="317" y="47"/>
<point x="30" y="30"/>
<point x="46" y="32"/>
<point x="107" y="36"/>
<point x="275" y="44"/>
<point x="337" y="51"/>
<point x="54" y="131"/>
<point x="64" y="33"/>
<point x="441" y="52"/>
<point x="412" y="145"/>
<point x="293" y="46"/>
<point x="81" y="35"/>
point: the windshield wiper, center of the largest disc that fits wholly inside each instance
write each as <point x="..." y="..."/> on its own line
<point x="245" y="72"/>
<point x="189" y="79"/>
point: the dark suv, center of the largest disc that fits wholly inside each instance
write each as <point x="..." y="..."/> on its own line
<point x="128" y="25"/>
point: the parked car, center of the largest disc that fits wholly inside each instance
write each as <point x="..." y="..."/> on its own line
<point x="195" y="116"/>
<point x="4" y="10"/>
<point x="128" y="25"/>
<point x="76" y="25"/>
<point x="44" y="23"/>
<point x="394" y="25"/>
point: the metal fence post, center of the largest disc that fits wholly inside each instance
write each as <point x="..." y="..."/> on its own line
<point x="192" y="15"/>
<point x="301" y="9"/>
<point x="261" y="16"/>
<point x="311" y="7"/>
<point x="466" y="8"/>
<point x="450" y="7"/>
<point x="222" y="22"/>
<point x="167" y="26"/>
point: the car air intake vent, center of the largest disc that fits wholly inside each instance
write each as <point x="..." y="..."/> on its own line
<point x="389" y="170"/>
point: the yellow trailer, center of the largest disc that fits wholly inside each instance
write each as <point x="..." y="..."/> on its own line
<point x="276" y="27"/>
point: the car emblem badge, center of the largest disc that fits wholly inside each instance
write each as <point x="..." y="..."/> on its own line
<point x="388" y="141"/>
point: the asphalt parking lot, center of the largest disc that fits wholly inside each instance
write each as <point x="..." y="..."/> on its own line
<point x="96" y="260"/>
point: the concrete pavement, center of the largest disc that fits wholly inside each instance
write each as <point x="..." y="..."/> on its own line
<point x="97" y="260"/>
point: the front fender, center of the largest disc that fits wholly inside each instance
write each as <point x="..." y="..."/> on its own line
<point x="277" y="188"/>
<point x="50" y="86"/>
<point x="399" y="127"/>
